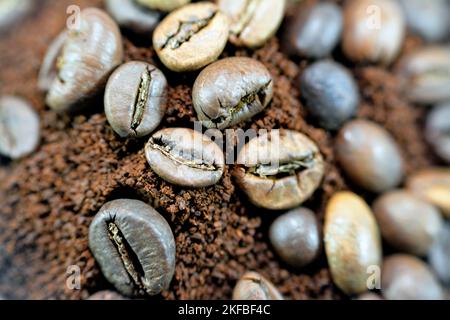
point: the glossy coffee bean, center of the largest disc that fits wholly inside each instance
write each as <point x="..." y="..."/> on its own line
<point x="231" y="91"/>
<point x="19" y="127"/>
<point x="134" y="246"/>
<point x="406" y="277"/>
<point x="185" y="157"/>
<point x="374" y="30"/>
<point x="296" y="238"/>
<point x="13" y="11"/>
<point x="437" y="131"/>
<point x="279" y="170"/>
<point x="253" y="286"/>
<point x="163" y="5"/>
<point x="191" y="37"/>
<point x="330" y="92"/>
<point x="135" y="99"/>
<point x="439" y="256"/>
<point x="407" y="222"/>
<point x="106" y="295"/>
<point x="79" y="62"/>
<point x="253" y="22"/>
<point x="313" y="31"/>
<point x="369" y="156"/>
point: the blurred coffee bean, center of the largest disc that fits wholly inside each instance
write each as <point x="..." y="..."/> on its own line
<point x="231" y="91"/>
<point x="437" y="130"/>
<point x="106" y="295"/>
<point x="330" y="92"/>
<point x="406" y="277"/>
<point x="439" y="256"/>
<point x="163" y="5"/>
<point x="134" y="246"/>
<point x="406" y="222"/>
<point x="374" y="30"/>
<point x="369" y="156"/>
<point x="253" y="286"/>
<point x="253" y="22"/>
<point x="13" y="11"/>
<point x="279" y="170"/>
<point x="352" y="241"/>
<point x="313" y="31"/>
<point x="296" y="237"/>
<point x="191" y="37"/>
<point x="369" y="296"/>
<point x="19" y="127"/>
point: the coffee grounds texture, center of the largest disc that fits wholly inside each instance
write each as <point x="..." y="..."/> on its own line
<point x="48" y="199"/>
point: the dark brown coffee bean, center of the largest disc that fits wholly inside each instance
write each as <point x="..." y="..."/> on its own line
<point x="185" y="157"/>
<point x="135" y="99"/>
<point x="13" y="11"/>
<point x="163" y="5"/>
<point x="279" y="170"/>
<point x="437" y="131"/>
<point x="230" y="91"/>
<point x="369" y="156"/>
<point x="191" y="37"/>
<point x="439" y="256"/>
<point x="106" y="295"/>
<point x="134" y="246"/>
<point x="296" y="238"/>
<point x="253" y="286"/>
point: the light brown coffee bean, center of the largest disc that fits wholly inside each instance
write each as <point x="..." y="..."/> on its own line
<point x="163" y="5"/>
<point x="439" y="255"/>
<point x="253" y="286"/>
<point x="437" y="130"/>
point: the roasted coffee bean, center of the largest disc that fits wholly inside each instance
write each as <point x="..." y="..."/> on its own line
<point x="106" y="295"/>
<point x="296" y="238"/>
<point x="433" y="185"/>
<point x="425" y="75"/>
<point x="191" y="37"/>
<point x="253" y="22"/>
<point x="253" y="286"/>
<point x="79" y="62"/>
<point x="279" y="170"/>
<point x="134" y="247"/>
<point x="135" y="99"/>
<point x="12" y="11"/>
<point x="163" y="5"/>
<point x="374" y="30"/>
<point x="369" y="156"/>
<point x="369" y="296"/>
<point x="352" y="241"/>
<point x="439" y="256"/>
<point x="185" y="157"/>
<point x="313" y="31"/>
<point x="437" y="130"/>
<point x="330" y="92"/>
<point x="19" y="127"/>
<point x="405" y="277"/>
<point x="230" y="91"/>
<point x="407" y="222"/>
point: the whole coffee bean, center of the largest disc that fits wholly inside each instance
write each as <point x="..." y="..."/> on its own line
<point x="374" y="30"/>
<point x="369" y="156"/>
<point x="253" y="286"/>
<point x="439" y="256"/>
<point x="330" y="92"/>
<point x="185" y="157"/>
<point x="230" y="91"/>
<point x="407" y="222"/>
<point x="369" y="296"/>
<point x="425" y="75"/>
<point x="191" y="37"/>
<point x="296" y="238"/>
<point x="19" y="127"/>
<point x="135" y="99"/>
<point x="313" y="31"/>
<point x="352" y="241"/>
<point x="405" y="277"/>
<point x="134" y="246"/>
<point x="79" y="62"/>
<point x="279" y="170"/>
<point x="163" y="5"/>
<point x="437" y="130"/>
<point x="12" y="11"/>
<point x="253" y="22"/>
<point x="106" y="295"/>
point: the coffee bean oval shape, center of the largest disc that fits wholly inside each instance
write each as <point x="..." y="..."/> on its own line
<point x="12" y="12"/>
<point x="134" y="246"/>
<point x="230" y="91"/>
<point x="369" y="156"/>
<point x="374" y="30"/>
<point x="19" y="127"/>
<point x="296" y="238"/>
<point x="253" y="286"/>
<point x="191" y="37"/>
<point x="106" y="295"/>
<point x="163" y="5"/>
<point x="279" y="170"/>
<point x="135" y="99"/>
<point x="352" y="241"/>
<point x="79" y="62"/>
<point x="407" y="222"/>
<point x="330" y="92"/>
<point x="253" y="22"/>
<point x="437" y="131"/>
<point x="439" y="255"/>
<point x="185" y="157"/>
<point x="406" y="277"/>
